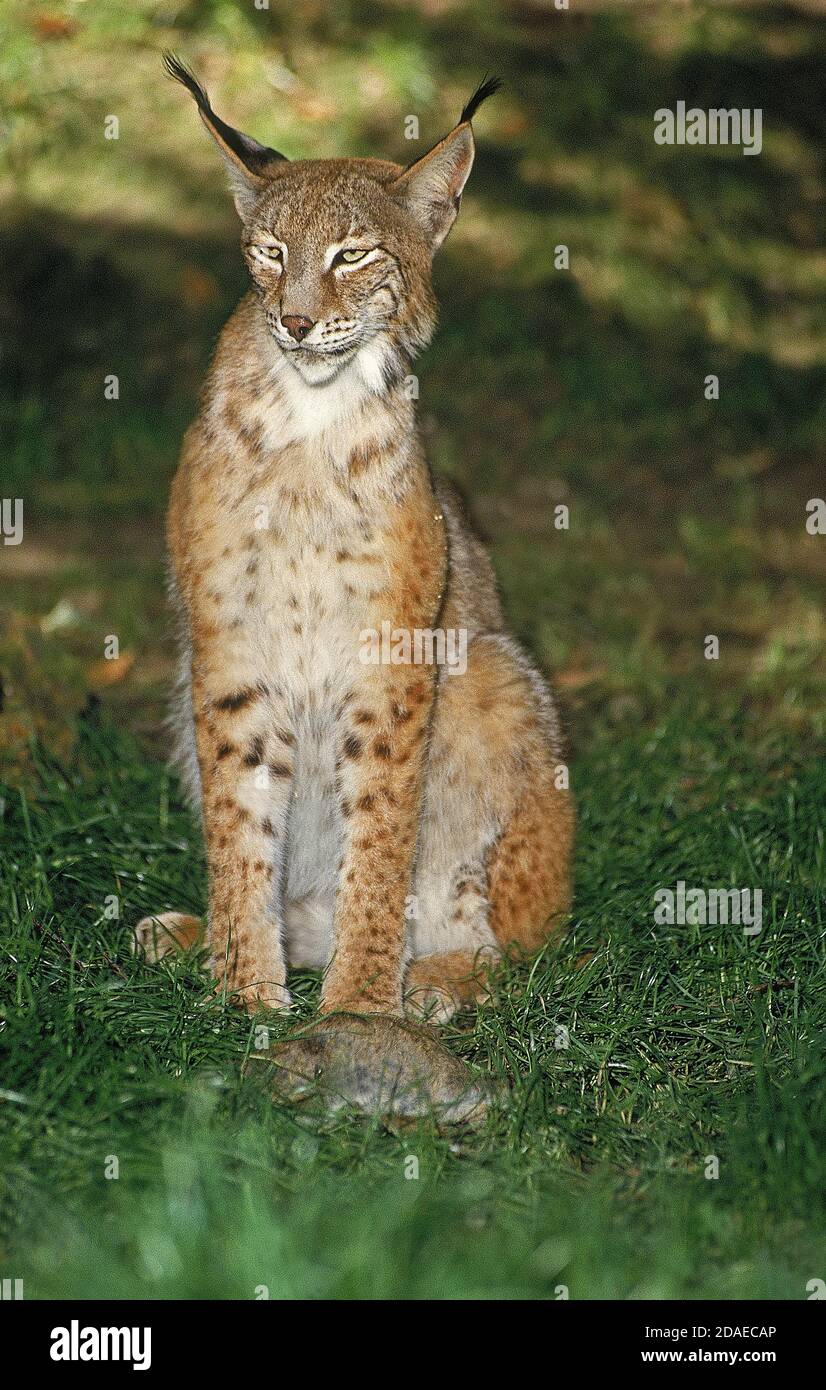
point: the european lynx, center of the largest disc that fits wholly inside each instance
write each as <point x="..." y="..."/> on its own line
<point x="392" y="822"/>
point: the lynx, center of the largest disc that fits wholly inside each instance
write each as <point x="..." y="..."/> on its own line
<point x="394" y="823"/>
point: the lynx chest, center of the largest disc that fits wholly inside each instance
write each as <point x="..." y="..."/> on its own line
<point x="294" y="563"/>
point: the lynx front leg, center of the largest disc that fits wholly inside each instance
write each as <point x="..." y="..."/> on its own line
<point x="246" y="766"/>
<point x="380" y="772"/>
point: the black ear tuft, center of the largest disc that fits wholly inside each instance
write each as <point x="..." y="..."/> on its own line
<point x="254" y="156"/>
<point x="181" y="73"/>
<point x="486" y="89"/>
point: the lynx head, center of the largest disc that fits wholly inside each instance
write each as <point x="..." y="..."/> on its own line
<point x="340" y="250"/>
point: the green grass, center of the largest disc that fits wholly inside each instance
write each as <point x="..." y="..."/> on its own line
<point x="581" y="387"/>
<point x="684" y="1042"/>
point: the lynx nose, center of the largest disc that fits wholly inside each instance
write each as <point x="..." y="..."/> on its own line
<point x="297" y="325"/>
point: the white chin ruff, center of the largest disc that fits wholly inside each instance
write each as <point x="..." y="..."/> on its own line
<point x="316" y="371"/>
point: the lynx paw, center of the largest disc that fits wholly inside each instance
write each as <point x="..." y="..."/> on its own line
<point x="266" y="995"/>
<point x="431" y="1003"/>
<point x="438" y="986"/>
<point x="155" y="937"/>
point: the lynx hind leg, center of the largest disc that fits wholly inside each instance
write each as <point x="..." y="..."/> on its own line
<point x="529" y="869"/>
<point x="509" y="712"/>
<point x="156" y="937"/>
<point x="452" y="944"/>
<point x="491" y="797"/>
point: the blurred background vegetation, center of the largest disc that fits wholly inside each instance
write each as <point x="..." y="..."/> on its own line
<point x="582" y="386"/>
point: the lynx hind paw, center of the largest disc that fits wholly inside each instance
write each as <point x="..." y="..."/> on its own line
<point x="431" y="1004"/>
<point x="252" y="998"/>
<point x="156" y="937"/>
<point x="437" y="987"/>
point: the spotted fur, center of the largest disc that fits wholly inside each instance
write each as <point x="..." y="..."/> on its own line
<point x="397" y="826"/>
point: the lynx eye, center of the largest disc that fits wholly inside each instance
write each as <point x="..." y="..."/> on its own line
<point x="349" y="256"/>
<point x="268" y="255"/>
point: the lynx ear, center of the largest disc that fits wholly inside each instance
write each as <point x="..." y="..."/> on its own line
<point x="247" y="162"/>
<point x="431" y="189"/>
